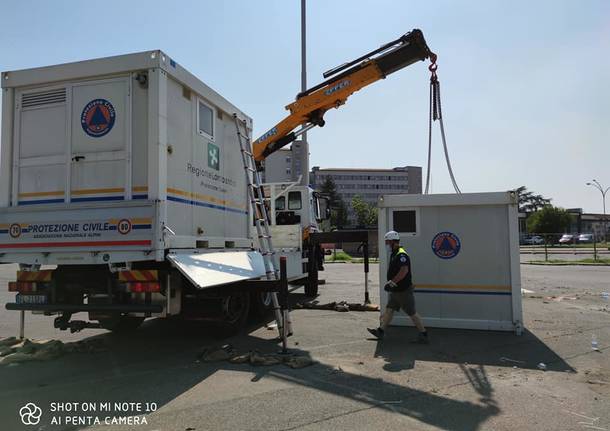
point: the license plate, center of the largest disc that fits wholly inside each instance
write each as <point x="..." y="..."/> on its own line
<point x="31" y="299"/>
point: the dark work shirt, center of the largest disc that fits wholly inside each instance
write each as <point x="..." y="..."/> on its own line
<point x="398" y="259"/>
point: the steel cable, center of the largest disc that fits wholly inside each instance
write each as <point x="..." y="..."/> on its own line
<point x="429" y="142"/>
<point x="436" y="114"/>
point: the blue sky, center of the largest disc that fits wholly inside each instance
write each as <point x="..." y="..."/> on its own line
<point x="526" y="95"/>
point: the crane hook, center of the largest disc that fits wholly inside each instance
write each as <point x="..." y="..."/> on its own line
<point x="432" y="68"/>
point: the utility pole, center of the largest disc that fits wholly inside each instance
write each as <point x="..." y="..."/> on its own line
<point x="301" y="155"/>
<point x="303" y="49"/>
<point x="603" y="191"/>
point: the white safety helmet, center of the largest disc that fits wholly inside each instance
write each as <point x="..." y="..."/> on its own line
<point x="391" y="236"/>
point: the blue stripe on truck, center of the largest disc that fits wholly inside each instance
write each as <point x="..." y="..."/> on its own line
<point x="91" y="199"/>
<point x="99" y="199"/>
<point x="41" y="201"/>
<point x="204" y="204"/>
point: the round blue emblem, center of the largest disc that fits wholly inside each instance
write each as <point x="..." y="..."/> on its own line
<point x="446" y="245"/>
<point x="97" y="118"/>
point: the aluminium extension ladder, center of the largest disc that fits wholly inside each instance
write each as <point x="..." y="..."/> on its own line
<point x="261" y="219"/>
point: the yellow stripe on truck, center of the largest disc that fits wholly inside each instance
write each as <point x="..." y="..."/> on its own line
<point x="98" y="191"/>
<point x="206" y="198"/>
<point x="37" y="194"/>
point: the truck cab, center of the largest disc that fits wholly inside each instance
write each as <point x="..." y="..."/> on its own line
<point x="292" y="204"/>
<point x="295" y="211"/>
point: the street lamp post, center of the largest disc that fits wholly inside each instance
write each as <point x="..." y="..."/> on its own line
<point x="304" y="156"/>
<point x="603" y="191"/>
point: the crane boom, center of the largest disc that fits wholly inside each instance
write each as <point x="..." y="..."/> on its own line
<point x="310" y="106"/>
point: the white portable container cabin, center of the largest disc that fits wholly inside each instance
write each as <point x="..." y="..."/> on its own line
<point x="117" y="159"/>
<point x="464" y="251"/>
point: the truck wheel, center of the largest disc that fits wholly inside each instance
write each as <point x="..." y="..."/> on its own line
<point x="261" y="304"/>
<point x="122" y="324"/>
<point x="311" y="288"/>
<point x="311" y="285"/>
<point x="235" y="310"/>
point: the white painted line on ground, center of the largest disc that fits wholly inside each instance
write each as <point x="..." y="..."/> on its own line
<point x="593" y="427"/>
<point x="583" y="416"/>
<point x="324" y="346"/>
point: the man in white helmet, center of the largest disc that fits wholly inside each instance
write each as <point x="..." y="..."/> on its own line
<point x="400" y="289"/>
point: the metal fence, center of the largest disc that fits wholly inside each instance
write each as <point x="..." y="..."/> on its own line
<point x="561" y="245"/>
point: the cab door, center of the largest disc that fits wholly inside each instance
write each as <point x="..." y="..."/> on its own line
<point x="100" y="150"/>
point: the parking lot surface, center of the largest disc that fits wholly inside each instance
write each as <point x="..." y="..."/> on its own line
<point x="463" y="380"/>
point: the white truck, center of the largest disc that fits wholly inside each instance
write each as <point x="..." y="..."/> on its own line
<point x="126" y="174"/>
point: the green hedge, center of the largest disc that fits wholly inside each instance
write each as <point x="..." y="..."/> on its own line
<point x="340" y="256"/>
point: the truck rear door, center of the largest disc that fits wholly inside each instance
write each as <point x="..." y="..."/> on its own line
<point x="73" y="143"/>
<point x="99" y="164"/>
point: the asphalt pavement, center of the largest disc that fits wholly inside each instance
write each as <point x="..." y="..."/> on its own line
<point x="463" y="380"/>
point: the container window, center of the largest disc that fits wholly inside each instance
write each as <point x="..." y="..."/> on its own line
<point x="405" y="221"/>
<point x="280" y="203"/>
<point x="294" y="201"/>
<point x="206" y="120"/>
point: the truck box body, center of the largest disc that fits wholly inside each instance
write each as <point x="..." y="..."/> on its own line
<point x="117" y="159"/>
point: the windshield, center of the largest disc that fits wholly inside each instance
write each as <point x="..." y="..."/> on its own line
<point x="294" y="201"/>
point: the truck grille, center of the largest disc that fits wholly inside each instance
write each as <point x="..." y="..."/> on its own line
<point x="43" y="98"/>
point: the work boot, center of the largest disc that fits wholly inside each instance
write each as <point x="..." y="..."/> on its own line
<point x="377" y="332"/>
<point x="422" y="338"/>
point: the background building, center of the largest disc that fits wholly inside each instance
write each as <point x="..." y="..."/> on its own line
<point x="588" y="223"/>
<point x="369" y="184"/>
<point x="278" y="167"/>
<point x="286" y="164"/>
<point x="581" y="223"/>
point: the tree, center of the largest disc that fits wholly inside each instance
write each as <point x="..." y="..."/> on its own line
<point x="338" y="213"/>
<point x="530" y="202"/>
<point x="366" y="214"/>
<point x="549" y="220"/>
<point x="329" y="189"/>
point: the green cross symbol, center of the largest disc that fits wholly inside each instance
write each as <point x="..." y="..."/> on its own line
<point x="213" y="156"/>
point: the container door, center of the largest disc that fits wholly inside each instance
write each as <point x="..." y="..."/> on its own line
<point x="40" y="159"/>
<point x="101" y="141"/>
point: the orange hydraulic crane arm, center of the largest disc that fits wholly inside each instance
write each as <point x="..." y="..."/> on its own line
<point x="310" y="106"/>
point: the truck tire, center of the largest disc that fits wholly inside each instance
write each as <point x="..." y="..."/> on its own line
<point x="121" y="324"/>
<point x="311" y="288"/>
<point x="311" y="285"/>
<point x="235" y="309"/>
<point x="261" y="304"/>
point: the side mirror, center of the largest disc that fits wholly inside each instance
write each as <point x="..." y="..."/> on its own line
<point x="324" y="208"/>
